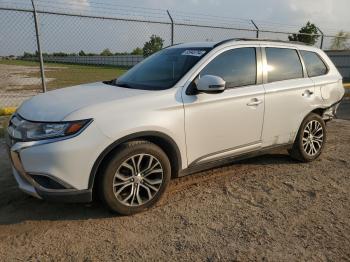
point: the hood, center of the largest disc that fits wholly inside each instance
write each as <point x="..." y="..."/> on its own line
<point x="56" y="105"/>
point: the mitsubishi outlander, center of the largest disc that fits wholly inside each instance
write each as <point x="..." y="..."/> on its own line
<point x="186" y="108"/>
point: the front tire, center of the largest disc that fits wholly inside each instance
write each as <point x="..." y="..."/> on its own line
<point x="310" y="140"/>
<point x="135" y="178"/>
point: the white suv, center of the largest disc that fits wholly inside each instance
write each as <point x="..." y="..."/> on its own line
<point x="186" y="108"/>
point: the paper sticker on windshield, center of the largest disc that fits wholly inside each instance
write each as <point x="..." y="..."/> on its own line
<point x="194" y="52"/>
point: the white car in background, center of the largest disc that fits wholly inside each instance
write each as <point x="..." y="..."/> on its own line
<point x="186" y="108"/>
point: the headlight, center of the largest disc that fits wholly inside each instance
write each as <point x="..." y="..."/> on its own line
<point x="25" y="130"/>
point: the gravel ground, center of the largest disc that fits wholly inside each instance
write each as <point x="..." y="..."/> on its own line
<point x="268" y="208"/>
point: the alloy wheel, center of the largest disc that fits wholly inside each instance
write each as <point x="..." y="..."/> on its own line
<point x="313" y="137"/>
<point x="138" y="179"/>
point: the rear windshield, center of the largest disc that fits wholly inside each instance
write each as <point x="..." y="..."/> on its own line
<point x="163" y="69"/>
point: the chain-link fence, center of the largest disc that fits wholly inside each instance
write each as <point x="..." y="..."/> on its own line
<point x="17" y="83"/>
<point x="75" y="39"/>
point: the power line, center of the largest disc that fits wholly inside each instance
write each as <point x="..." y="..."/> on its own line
<point x="122" y="13"/>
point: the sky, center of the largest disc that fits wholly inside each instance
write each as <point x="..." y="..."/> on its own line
<point x="328" y="14"/>
<point x="72" y="34"/>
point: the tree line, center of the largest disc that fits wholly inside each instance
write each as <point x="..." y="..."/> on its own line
<point x="153" y="45"/>
<point x="309" y="34"/>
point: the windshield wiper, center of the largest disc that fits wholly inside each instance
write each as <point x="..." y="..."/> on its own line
<point x="110" y="82"/>
<point x="114" y="83"/>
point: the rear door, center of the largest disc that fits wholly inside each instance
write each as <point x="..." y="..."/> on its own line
<point x="289" y="96"/>
<point x="218" y="125"/>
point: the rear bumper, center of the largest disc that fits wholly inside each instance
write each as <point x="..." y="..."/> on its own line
<point x="331" y="112"/>
<point x="29" y="186"/>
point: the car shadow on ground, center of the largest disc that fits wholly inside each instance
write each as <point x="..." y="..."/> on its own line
<point x="19" y="207"/>
<point x="27" y="208"/>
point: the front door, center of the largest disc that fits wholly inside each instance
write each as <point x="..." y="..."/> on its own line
<point x="228" y="123"/>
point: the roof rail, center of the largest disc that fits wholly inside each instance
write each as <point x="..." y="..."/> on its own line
<point x="260" y="40"/>
<point x="172" y="45"/>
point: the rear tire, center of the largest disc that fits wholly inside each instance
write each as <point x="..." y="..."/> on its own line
<point x="310" y="140"/>
<point x="135" y="178"/>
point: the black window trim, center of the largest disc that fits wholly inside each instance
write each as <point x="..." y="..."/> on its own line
<point x="264" y="56"/>
<point x="321" y="58"/>
<point x="305" y="75"/>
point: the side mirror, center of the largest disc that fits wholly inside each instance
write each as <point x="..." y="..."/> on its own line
<point x="211" y="84"/>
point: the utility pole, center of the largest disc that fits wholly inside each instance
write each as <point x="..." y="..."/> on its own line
<point x="322" y="37"/>
<point x="42" y="71"/>
<point x="172" y="27"/>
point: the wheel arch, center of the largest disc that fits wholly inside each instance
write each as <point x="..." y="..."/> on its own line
<point x="165" y="142"/>
<point x="319" y="111"/>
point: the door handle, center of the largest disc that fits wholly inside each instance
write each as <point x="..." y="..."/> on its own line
<point x="307" y="93"/>
<point x="255" y="102"/>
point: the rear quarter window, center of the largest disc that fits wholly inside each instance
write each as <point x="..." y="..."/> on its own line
<point x="314" y="64"/>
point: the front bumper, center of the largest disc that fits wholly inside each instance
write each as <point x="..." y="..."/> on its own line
<point x="57" y="169"/>
<point x="28" y="185"/>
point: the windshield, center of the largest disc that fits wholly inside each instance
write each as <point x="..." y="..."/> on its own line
<point x="162" y="70"/>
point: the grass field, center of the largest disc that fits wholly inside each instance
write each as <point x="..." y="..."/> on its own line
<point x="69" y="74"/>
<point x="64" y="75"/>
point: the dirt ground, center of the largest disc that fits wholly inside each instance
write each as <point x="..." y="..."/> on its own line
<point x="268" y="208"/>
<point x="20" y="80"/>
<point x="16" y="77"/>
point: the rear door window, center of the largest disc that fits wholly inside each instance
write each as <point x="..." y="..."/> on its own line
<point x="283" y="64"/>
<point x="314" y="64"/>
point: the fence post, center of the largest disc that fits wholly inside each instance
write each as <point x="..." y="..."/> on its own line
<point x="172" y="27"/>
<point x="256" y="27"/>
<point x="322" y="37"/>
<point x="42" y="72"/>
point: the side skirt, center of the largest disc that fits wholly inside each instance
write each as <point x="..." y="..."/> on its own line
<point x="199" y="167"/>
